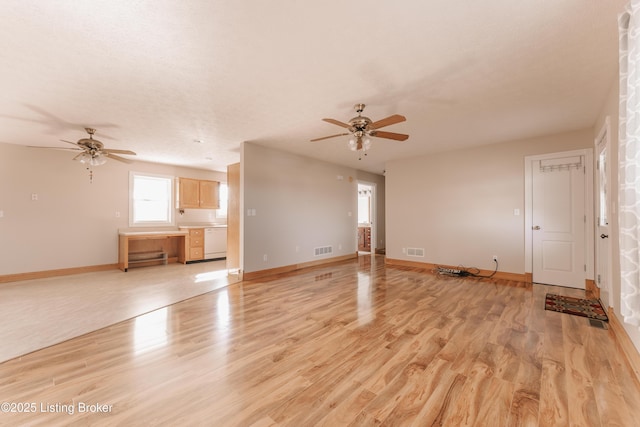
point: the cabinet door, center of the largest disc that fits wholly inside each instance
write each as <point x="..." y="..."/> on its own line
<point x="196" y="253"/>
<point x="209" y="194"/>
<point x="196" y="238"/>
<point x="189" y="193"/>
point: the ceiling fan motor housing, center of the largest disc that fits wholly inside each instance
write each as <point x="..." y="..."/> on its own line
<point x="91" y="144"/>
<point x="359" y="123"/>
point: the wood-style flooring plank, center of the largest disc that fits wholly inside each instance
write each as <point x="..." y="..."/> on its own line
<point x="354" y="343"/>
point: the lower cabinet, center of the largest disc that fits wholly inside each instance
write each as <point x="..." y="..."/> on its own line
<point x="196" y="244"/>
<point x="364" y="239"/>
<point x="205" y="243"/>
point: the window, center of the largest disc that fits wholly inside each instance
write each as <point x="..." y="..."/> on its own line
<point x="150" y="199"/>
<point x="223" y="197"/>
<point x="603" y="218"/>
<point x="365" y="193"/>
<point x="364" y="209"/>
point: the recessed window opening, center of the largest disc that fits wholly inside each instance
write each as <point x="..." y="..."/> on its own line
<point x="150" y="199"/>
<point x="224" y="198"/>
<point x="364" y="204"/>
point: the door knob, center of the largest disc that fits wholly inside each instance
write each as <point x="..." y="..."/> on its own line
<point x="604" y="236"/>
<point x="536" y="227"/>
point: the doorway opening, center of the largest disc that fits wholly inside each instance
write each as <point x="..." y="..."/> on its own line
<point x="604" y="213"/>
<point x="366" y="218"/>
<point x="559" y="218"/>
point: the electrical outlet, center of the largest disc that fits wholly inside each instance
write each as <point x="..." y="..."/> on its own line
<point x="495" y="258"/>
<point x="264" y="258"/>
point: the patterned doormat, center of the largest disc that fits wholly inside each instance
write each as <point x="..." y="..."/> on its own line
<point x="590" y="308"/>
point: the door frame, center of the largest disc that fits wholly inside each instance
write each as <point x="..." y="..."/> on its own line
<point x="604" y="138"/>
<point x="374" y="213"/>
<point x="588" y="208"/>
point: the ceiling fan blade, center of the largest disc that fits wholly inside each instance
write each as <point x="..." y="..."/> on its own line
<point x="56" y="148"/>
<point x="118" y="158"/>
<point x="390" y="135"/>
<point x="387" y="121"/>
<point x="110" y="151"/>
<point x="69" y="142"/>
<point x="337" y="122"/>
<point x="327" y="137"/>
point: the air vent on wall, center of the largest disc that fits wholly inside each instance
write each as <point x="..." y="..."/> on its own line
<point x="417" y="252"/>
<point x="323" y="250"/>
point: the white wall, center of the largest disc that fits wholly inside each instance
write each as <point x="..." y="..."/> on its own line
<point x="300" y="204"/>
<point x="73" y="222"/>
<point x="459" y="205"/>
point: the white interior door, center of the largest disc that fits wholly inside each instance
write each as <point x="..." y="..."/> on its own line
<point x="603" y="204"/>
<point x="558" y="221"/>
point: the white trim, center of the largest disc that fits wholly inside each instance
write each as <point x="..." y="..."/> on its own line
<point x="588" y="204"/>
<point x="171" y="208"/>
<point x="374" y="213"/>
<point x="604" y="139"/>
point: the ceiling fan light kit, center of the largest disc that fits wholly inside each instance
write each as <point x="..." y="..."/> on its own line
<point x="93" y="152"/>
<point x="361" y="128"/>
<point x="88" y="159"/>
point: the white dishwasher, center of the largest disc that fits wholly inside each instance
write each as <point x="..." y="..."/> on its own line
<point x="215" y="242"/>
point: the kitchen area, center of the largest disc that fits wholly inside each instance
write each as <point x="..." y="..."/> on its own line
<point x="200" y="234"/>
<point x="207" y="241"/>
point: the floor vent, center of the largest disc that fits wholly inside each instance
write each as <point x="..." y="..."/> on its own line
<point x="323" y="250"/>
<point x="597" y="323"/>
<point x="417" y="252"/>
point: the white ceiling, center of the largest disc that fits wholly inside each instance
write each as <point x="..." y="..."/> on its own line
<point x="154" y="76"/>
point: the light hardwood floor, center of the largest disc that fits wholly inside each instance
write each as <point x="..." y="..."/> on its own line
<point x="38" y="313"/>
<point x="355" y="343"/>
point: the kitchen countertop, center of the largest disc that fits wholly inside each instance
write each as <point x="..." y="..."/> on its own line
<point x="178" y="231"/>
<point x="202" y="226"/>
<point x="154" y="233"/>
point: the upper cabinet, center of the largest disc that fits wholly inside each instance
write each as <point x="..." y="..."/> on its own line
<point x="198" y="194"/>
<point x="210" y="194"/>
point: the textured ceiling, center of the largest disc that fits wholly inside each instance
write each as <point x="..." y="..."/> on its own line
<point x="156" y="76"/>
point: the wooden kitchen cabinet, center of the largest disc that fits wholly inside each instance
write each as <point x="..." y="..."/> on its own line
<point x="209" y="194"/>
<point x="198" y="194"/>
<point x="189" y="193"/>
<point x="196" y="244"/>
<point x="142" y="248"/>
<point x="364" y="239"/>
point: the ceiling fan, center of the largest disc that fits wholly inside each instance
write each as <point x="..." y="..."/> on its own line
<point x="93" y="152"/>
<point x="361" y="128"/>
